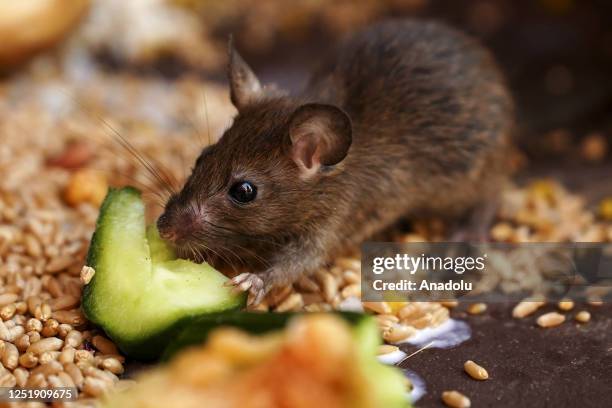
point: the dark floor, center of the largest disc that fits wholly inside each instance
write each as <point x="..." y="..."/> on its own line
<point x="565" y="366"/>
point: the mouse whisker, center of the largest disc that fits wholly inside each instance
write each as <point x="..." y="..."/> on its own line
<point x="254" y="254"/>
<point x="199" y="246"/>
<point x="160" y="174"/>
<point x="244" y="235"/>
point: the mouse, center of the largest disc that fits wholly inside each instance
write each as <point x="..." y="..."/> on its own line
<point x="406" y="118"/>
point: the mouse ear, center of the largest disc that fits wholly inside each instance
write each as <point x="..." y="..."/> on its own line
<point x="320" y="135"/>
<point x="244" y="85"/>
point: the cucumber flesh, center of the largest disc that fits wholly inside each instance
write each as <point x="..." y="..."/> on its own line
<point x="141" y="293"/>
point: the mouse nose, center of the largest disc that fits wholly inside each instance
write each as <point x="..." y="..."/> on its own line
<point x="177" y="228"/>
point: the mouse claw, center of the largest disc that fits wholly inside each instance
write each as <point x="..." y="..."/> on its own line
<point x="251" y="283"/>
<point x="256" y="298"/>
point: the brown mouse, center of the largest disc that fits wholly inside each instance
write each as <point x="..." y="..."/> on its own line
<point x="406" y="118"/>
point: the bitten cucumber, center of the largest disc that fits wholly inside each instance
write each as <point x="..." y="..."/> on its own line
<point x="141" y="294"/>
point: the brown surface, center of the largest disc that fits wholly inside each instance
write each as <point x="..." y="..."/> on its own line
<point x="566" y="366"/>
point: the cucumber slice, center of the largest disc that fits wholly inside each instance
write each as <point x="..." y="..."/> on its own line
<point x="384" y="384"/>
<point x="141" y="294"/>
<point x="255" y="323"/>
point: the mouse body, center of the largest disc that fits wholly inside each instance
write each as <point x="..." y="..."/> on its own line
<point x="406" y="118"/>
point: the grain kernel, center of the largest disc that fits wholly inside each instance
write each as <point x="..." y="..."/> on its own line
<point x="86" y="186"/>
<point x="330" y="287"/>
<point x="449" y="303"/>
<point x="94" y="386"/>
<point x="7" y="379"/>
<point x="551" y="319"/>
<point x="65" y="302"/>
<point x="75" y="373"/>
<point x="378" y="307"/>
<point x="28" y="360"/>
<point x="73" y="317"/>
<point x="386" y="349"/>
<point x="104" y="345"/>
<point x="583" y="316"/>
<point x="63" y="330"/>
<point x="67" y="355"/>
<point x="566" y="305"/>
<point x="10" y="357"/>
<point x="34" y="325"/>
<point x="21" y="376"/>
<point x="595" y="301"/>
<point x="47" y="369"/>
<point x="476" y="308"/>
<point x="74" y="338"/>
<point x="455" y="399"/>
<point x="22" y="342"/>
<point x="50" y="328"/>
<point x="8" y="298"/>
<point x="397" y="333"/>
<point x="46" y="344"/>
<point x="113" y="365"/>
<point x="475" y="371"/>
<point x="8" y="311"/>
<point x="292" y="302"/>
<point x="84" y="356"/>
<point x="87" y="273"/>
<point x="48" y="356"/>
<point x="525" y="308"/>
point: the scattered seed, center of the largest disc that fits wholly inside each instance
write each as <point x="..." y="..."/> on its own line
<point x="74" y="338"/>
<point x="7" y="379"/>
<point x="65" y="302"/>
<point x="21" y="376"/>
<point x="87" y="273"/>
<point x="475" y="371"/>
<point x="330" y="287"/>
<point x="455" y="399"/>
<point x="113" y="365"/>
<point x="75" y="373"/>
<point x="525" y="308"/>
<point x="50" y="328"/>
<point x="8" y="311"/>
<point x="7" y="298"/>
<point x="551" y="319"/>
<point x="397" y="333"/>
<point x="583" y="316"/>
<point x="94" y="386"/>
<point x="476" y="308"/>
<point x="378" y="307"/>
<point x="104" y="345"/>
<point x="386" y="349"/>
<point x="73" y="317"/>
<point x="450" y="303"/>
<point x="22" y="342"/>
<point x="28" y="360"/>
<point x="34" y="324"/>
<point x="50" y="368"/>
<point x="594" y="301"/>
<point x="10" y="356"/>
<point x="566" y="305"/>
<point x="292" y="302"/>
<point x="46" y="344"/>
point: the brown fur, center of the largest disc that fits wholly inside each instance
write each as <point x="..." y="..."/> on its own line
<point x="431" y="117"/>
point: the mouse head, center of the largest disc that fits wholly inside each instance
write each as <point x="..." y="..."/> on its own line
<point x="264" y="181"/>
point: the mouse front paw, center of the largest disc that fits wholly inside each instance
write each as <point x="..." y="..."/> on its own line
<point x="249" y="282"/>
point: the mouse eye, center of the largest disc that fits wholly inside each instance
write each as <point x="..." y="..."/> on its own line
<point x="243" y="191"/>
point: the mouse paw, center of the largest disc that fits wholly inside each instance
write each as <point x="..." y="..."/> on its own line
<point x="251" y="283"/>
